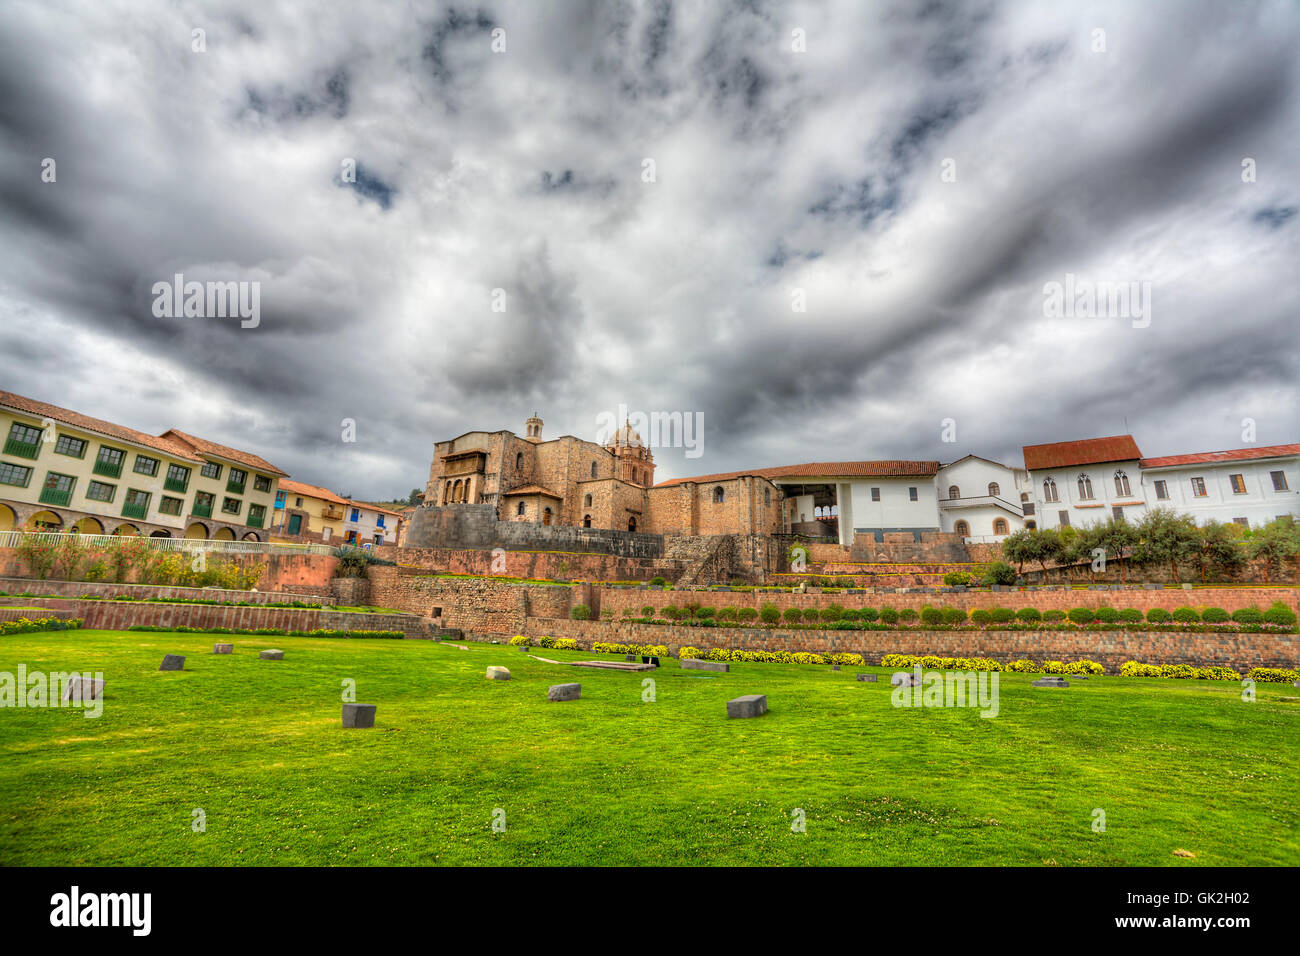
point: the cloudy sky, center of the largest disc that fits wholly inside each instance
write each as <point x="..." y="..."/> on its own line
<point x="825" y="227"/>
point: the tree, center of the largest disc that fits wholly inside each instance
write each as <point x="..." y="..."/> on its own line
<point x="1218" y="547"/>
<point x="1049" y="545"/>
<point x="1166" y="537"/>
<point x="413" y="498"/>
<point x="1019" y="547"/>
<point x="1274" y="543"/>
<point x="1115" y="538"/>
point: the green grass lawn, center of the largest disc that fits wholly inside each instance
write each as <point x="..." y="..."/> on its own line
<point x="612" y="780"/>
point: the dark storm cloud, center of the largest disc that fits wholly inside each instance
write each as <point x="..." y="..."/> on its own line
<point x="818" y="172"/>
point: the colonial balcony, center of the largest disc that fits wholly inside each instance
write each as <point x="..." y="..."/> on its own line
<point x="53" y="496"/>
<point x="22" y="449"/>
<point x="176" y="484"/>
<point x="108" y="469"/>
<point x="332" y="513"/>
<point x="138" y="512"/>
<point x="202" y="511"/>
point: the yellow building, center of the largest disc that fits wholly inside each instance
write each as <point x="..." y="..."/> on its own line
<point x="61" y="470"/>
<point x="306" y="512"/>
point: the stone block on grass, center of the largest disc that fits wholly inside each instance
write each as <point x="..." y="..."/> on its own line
<point x="868" y="678"/>
<point x="904" y="679"/>
<point x="223" y="648"/>
<point x="498" y="673"/>
<point x="83" y="689"/>
<point x="564" y="692"/>
<point x="359" y="715"/>
<point x="750" y="705"/>
<point x="694" y="664"/>
<point x="1051" y="682"/>
<point x="172" y="662"/>
<point x="272" y="654"/>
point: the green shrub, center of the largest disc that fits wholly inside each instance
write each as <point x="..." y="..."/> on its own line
<point x="851" y="615"/>
<point x="520" y="640"/>
<point x="704" y="613"/>
<point x="746" y="614"/>
<point x="1158" y="615"/>
<point x="648" y="611"/>
<point x="672" y="612"/>
<point x="1002" y="615"/>
<point x="580" y="612"/>
<point x="931" y="616"/>
<point x="1186" y="615"/>
<point x="832" y="612"/>
<point x="1215" y="615"/>
<point x="869" y="614"/>
<point x="1275" y="675"/>
<point x="769" y="613"/>
<point x="727" y="613"/>
<point x="1248" y="615"/>
<point x="980" y="616"/>
<point x="908" y="615"/>
<point x="888" y="615"/>
<point x="1054" y="615"/>
<point x="1130" y="615"/>
<point x="1082" y="615"/>
<point x="1029" y="615"/>
<point x="999" y="572"/>
<point x="792" y="615"/>
<point x="1107" y="615"/>
<point x="658" y="581"/>
<point x="1279" y="613"/>
<point x="958" y="578"/>
<point x="953" y="615"/>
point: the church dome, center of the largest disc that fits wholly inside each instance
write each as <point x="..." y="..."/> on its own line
<point x="626" y="436"/>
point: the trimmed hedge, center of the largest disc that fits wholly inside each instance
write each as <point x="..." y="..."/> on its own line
<point x="1177" y="671"/>
<point x="28" y="625"/>
<point x="266" y="631"/>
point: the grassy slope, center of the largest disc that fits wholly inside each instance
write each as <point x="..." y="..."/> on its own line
<point x="612" y="780"/>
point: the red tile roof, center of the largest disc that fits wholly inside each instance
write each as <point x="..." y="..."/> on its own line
<point x="1233" y="454"/>
<point x="205" y="447"/>
<point x="314" y="491"/>
<point x="1089" y="451"/>
<point x="888" y="468"/>
<point x="162" y="443"/>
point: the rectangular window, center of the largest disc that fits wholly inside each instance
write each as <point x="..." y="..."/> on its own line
<point x="136" y="503"/>
<point x="231" y="506"/>
<point x="11" y="474"/>
<point x="178" y="478"/>
<point x="1279" y="480"/>
<point x="67" y="445"/>
<point x="1162" y="490"/>
<point x="356" y="514"/>
<point x="170" y="506"/>
<point x="1198" y="487"/>
<point x="109" y="461"/>
<point x="236" y="480"/>
<point x="1238" y="484"/>
<point x="379" y="521"/>
<point x="203" y="504"/>
<point x="24" y="441"/>
<point x="261" y="483"/>
<point x="256" y="516"/>
<point x="379" y="539"/>
<point x="144" y="465"/>
<point x="210" y="470"/>
<point x="297" y="502"/>
<point x="57" y="489"/>
<point x="1117" y="512"/>
<point x="1241" y="521"/>
<point x="98" y="491"/>
<point x="912" y="494"/>
<point x="875" y="494"/>
<point x="1064" y="517"/>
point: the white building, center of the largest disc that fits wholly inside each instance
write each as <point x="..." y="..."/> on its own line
<point x="369" y="525"/>
<point x="1247" y="485"/>
<point x="1086" y="482"/>
<point x="983" y="500"/>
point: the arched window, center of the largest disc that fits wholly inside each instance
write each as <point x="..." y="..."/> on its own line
<point x="546" y="516"/>
<point x="631" y="523"/>
<point x="586" y="502"/>
<point x="994" y="489"/>
<point x="1049" y="490"/>
<point x="519" y="461"/>
<point x="1121" y="484"/>
<point x="457" y="491"/>
<point x="962" y="528"/>
<point x="1031" y="524"/>
<point x="719" y="496"/>
<point x="999" y="525"/>
<point x="767" y="496"/>
<point x="520" y="510"/>
<point x="446" y="491"/>
<point x="954" y="491"/>
<point x="586" y="521"/>
<point x="593" y="469"/>
<point x="1085" y="487"/>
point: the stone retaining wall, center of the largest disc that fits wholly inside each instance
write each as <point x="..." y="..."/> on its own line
<point x="1109" y="648"/>
<point x="141" y="591"/>
<point x="298" y="573"/>
<point x="120" y="615"/>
